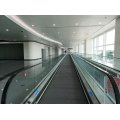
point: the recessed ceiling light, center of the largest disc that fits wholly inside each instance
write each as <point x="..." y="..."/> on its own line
<point x="43" y="33"/>
<point x="73" y="32"/>
<point x="58" y="32"/>
<point x="7" y="30"/>
<point x="53" y="24"/>
<point x="28" y="28"/>
<point x="24" y="36"/>
<point x="32" y="25"/>
<point x="76" y="24"/>
<point x="99" y="22"/>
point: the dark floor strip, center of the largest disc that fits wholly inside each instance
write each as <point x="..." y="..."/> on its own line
<point x="65" y="87"/>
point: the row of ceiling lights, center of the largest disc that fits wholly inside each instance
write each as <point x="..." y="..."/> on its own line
<point x="43" y="33"/>
<point x="58" y="32"/>
<point x="77" y="23"/>
<point x="17" y="20"/>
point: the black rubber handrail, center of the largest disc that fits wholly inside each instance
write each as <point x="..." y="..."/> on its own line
<point x="115" y="88"/>
<point x="103" y="64"/>
<point x="4" y="94"/>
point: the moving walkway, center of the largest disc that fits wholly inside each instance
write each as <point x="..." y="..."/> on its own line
<point x="63" y="80"/>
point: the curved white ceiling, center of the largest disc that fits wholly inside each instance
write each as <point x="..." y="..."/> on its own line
<point x="18" y="21"/>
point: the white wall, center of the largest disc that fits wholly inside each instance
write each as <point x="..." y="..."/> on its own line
<point x="53" y="51"/>
<point x="88" y="46"/>
<point x="73" y="49"/>
<point x="80" y="48"/>
<point x="70" y="50"/>
<point x="59" y="51"/>
<point x="32" y="50"/>
<point x="76" y="49"/>
<point x="117" y="39"/>
<point x="50" y="50"/>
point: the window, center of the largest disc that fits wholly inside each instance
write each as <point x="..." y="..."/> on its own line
<point x="100" y="51"/>
<point x="95" y="44"/>
<point x="95" y="51"/>
<point x="110" y="50"/>
<point x="82" y="48"/>
<point x="103" y="45"/>
<point x="100" y="40"/>
<point x="110" y="37"/>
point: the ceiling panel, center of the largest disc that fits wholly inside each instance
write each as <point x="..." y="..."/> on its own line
<point x="86" y="26"/>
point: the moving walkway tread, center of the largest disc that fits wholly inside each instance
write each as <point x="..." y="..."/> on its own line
<point x="65" y="88"/>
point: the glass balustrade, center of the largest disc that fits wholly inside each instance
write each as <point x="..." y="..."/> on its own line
<point x="24" y="83"/>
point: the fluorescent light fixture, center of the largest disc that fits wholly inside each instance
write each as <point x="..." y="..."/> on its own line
<point x="7" y="30"/>
<point x="18" y="21"/>
<point x="99" y="22"/>
<point x="32" y="25"/>
<point x="53" y="24"/>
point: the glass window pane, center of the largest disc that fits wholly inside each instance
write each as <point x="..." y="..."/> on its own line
<point x="95" y="51"/>
<point x="110" y="50"/>
<point x="100" y="51"/>
<point x="95" y="44"/>
<point x="82" y="48"/>
<point x="100" y="42"/>
<point x="110" y="37"/>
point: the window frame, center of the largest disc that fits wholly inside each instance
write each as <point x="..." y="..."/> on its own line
<point x="104" y="41"/>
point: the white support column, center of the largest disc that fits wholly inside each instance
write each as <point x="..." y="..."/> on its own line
<point x="85" y="47"/>
<point x="88" y="46"/>
<point x="32" y="50"/>
<point x="117" y="39"/>
<point x="50" y="50"/>
<point x="117" y="43"/>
